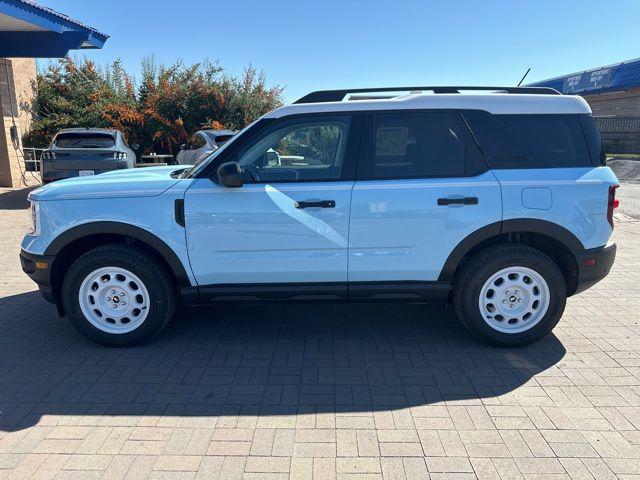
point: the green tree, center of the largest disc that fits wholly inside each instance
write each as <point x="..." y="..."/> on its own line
<point x="169" y="104"/>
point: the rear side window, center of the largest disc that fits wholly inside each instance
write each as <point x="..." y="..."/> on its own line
<point x="197" y="141"/>
<point x="594" y="140"/>
<point x="220" y="139"/>
<point x="84" y="140"/>
<point x="419" y="145"/>
<point x="530" y="141"/>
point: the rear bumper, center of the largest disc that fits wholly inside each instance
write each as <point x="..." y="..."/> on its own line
<point x="594" y="264"/>
<point x="51" y="174"/>
<point x="38" y="268"/>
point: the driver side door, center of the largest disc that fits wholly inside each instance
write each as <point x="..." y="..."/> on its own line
<point x="289" y="223"/>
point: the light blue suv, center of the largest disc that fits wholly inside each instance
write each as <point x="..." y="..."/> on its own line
<point x="494" y="199"/>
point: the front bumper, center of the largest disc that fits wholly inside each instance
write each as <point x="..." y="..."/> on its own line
<point x="593" y="265"/>
<point x="38" y="267"/>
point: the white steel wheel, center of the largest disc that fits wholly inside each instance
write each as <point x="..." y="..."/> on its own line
<point x="514" y="299"/>
<point x="114" y="300"/>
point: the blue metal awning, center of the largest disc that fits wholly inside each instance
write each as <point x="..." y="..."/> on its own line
<point x="610" y="78"/>
<point x="28" y="29"/>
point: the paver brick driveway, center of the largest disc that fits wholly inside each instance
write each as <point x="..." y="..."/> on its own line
<point x="323" y="390"/>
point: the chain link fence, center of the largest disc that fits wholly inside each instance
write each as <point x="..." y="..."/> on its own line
<point x="619" y="134"/>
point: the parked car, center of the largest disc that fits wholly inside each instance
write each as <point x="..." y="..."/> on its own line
<point x="79" y="152"/>
<point x="201" y="145"/>
<point x="497" y="202"/>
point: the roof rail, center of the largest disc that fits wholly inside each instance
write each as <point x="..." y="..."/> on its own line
<point x="322" y="96"/>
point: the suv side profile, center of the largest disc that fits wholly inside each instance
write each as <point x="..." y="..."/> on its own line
<point x="497" y="201"/>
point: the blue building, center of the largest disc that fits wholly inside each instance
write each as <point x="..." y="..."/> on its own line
<point x="612" y="90"/>
<point x="29" y="30"/>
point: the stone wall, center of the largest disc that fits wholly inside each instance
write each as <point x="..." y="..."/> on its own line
<point x="17" y="93"/>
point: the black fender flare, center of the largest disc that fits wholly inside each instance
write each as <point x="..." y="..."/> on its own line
<point x="124" y="229"/>
<point x="530" y="225"/>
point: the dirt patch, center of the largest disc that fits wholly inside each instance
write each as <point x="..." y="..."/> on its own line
<point x="627" y="170"/>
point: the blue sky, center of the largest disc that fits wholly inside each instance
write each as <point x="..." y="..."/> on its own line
<point x="304" y="45"/>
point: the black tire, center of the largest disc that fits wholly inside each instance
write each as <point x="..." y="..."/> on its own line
<point x="489" y="261"/>
<point x="158" y="282"/>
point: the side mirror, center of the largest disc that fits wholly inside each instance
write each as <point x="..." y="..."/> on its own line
<point x="230" y="175"/>
<point x="134" y="146"/>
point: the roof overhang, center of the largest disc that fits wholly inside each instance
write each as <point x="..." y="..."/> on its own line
<point x="610" y="78"/>
<point x="31" y="30"/>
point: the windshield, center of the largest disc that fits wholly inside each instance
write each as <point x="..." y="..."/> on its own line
<point x="84" y="140"/>
<point x="193" y="171"/>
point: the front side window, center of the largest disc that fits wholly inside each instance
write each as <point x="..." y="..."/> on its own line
<point x="300" y="150"/>
<point x="420" y="145"/>
<point x="530" y="140"/>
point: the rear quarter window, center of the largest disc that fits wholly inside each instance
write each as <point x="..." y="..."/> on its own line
<point x="594" y="140"/>
<point x="531" y="140"/>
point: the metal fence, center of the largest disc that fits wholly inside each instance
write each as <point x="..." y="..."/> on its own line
<point x="619" y="134"/>
<point x="32" y="158"/>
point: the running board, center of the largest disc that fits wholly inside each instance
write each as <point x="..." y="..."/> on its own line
<point x="437" y="292"/>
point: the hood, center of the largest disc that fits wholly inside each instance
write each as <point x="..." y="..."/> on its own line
<point x="132" y="182"/>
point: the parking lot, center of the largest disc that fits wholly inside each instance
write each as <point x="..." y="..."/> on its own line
<point x="369" y="391"/>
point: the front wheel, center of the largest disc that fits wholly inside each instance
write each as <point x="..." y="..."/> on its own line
<point x="510" y="295"/>
<point x="118" y="295"/>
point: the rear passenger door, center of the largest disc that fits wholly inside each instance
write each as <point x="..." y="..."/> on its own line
<point x="421" y="188"/>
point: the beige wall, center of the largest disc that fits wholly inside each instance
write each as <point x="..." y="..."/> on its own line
<point x="16" y="98"/>
<point x="625" y="103"/>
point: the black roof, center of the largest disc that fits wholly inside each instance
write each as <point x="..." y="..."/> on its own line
<point x="322" y="96"/>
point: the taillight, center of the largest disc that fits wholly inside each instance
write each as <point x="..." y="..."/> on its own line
<point x="612" y="203"/>
<point x="119" y="155"/>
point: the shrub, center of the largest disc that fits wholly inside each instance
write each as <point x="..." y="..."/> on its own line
<point x="169" y="104"/>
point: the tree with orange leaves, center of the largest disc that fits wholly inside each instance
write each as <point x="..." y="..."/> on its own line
<point x="169" y="104"/>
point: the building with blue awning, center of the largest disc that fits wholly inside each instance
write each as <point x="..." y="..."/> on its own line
<point x="28" y="31"/>
<point x="612" y="90"/>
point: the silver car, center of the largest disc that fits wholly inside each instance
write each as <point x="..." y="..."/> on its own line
<point x="201" y="144"/>
<point x="77" y="152"/>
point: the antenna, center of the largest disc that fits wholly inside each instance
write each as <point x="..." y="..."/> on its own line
<point x="524" y="76"/>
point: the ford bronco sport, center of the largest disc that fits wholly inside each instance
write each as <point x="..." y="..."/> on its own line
<point x="494" y="199"/>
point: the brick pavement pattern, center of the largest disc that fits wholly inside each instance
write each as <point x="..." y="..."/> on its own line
<point x="353" y="391"/>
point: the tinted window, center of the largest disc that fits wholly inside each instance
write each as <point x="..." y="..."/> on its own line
<point x="222" y="139"/>
<point x="84" y="140"/>
<point x="420" y="144"/>
<point x="219" y="138"/>
<point x="529" y="141"/>
<point x="197" y="141"/>
<point x="594" y="140"/>
<point x="298" y="151"/>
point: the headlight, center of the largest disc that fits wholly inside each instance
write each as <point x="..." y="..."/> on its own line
<point x="34" y="229"/>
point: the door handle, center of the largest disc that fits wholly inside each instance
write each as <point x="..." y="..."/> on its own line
<point x="458" y="201"/>
<point x="318" y="204"/>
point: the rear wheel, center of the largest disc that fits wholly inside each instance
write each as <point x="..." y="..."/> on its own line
<point x="118" y="295"/>
<point x="510" y="295"/>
